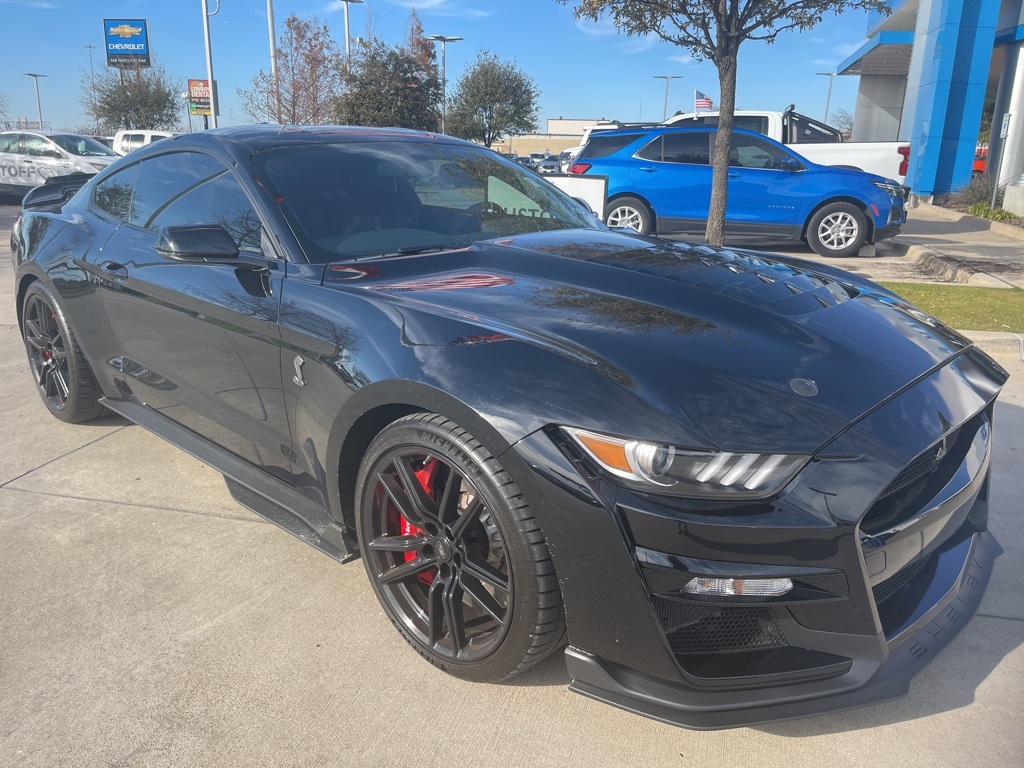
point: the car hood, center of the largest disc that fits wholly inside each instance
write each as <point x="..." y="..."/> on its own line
<point x="713" y="338"/>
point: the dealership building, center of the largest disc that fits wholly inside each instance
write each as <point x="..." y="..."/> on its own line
<point x="927" y="73"/>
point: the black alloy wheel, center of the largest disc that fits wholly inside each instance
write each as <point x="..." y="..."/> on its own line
<point x="453" y="553"/>
<point x="61" y="372"/>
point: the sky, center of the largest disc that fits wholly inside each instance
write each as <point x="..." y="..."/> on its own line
<point x="583" y="69"/>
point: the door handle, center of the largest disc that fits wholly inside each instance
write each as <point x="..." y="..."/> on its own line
<point x="28" y="161"/>
<point x="114" y="268"/>
<point x="735" y="175"/>
<point x="647" y="169"/>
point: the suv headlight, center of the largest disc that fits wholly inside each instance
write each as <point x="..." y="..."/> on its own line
<point x="889" y="187"/>
<point x="659" y="468"/>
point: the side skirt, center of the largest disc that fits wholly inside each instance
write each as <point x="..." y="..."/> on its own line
<point x="251" y="487"/>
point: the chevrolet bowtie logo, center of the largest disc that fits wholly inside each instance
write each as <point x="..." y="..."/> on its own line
<point x="126" y="30"/>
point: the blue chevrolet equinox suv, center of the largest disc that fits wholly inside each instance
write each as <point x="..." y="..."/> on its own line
<point x="659" y="181"/>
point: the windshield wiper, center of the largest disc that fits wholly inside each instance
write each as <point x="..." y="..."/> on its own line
<point x="412" y="250"/>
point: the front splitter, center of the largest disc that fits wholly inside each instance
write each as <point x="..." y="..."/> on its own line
<point x="909" y="653"/>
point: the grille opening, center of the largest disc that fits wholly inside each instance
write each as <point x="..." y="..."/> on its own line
<point x="720" y="641"/>
<point x="888" y="588"/>
<point x="919" y="481"/>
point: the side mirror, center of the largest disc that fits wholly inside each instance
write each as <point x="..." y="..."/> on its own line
<point x="197" y="242"/>
<point x="791" y="165"/>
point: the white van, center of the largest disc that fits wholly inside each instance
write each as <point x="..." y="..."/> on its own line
<point x="29" y="158"/>
<point x="126" y="141"/>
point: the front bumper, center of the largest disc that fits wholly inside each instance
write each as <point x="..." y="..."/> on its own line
<point x="884" y="536"/>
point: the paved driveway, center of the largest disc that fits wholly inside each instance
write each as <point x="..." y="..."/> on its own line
<point x="148" y="620"/>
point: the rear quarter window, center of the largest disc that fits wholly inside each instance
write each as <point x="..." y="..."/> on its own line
<point x="603" y="146"/>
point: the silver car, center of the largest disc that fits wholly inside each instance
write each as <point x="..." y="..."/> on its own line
<point x="29" y="158"/>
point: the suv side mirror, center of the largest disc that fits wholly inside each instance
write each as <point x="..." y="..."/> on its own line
<point x="791" y="165"/>
<point x="197" y="242"/>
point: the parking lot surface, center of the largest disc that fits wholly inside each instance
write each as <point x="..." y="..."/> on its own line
<point x="148" y="620"/>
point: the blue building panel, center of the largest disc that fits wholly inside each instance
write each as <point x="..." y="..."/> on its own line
<point x="956" y="52"/>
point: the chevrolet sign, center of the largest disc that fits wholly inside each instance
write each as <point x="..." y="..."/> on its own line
<point x="127" y="42"/>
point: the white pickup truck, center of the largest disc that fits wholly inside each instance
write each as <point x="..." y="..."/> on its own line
<point x="819" y="143"/>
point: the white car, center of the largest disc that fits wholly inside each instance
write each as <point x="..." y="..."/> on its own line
<point x="29" y="158"/>
<point x="126" y="141"/>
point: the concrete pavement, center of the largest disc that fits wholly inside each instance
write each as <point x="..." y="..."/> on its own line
<point x="148" y="620"/>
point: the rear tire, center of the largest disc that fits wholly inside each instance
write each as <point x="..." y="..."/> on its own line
<point x="63" y="377"/>
<point x="838" y="230"/>
<point x="630" y="213"/>
<point x="454" y="553"/>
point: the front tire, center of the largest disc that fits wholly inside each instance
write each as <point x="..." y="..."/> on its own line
<point x="62" y="374"/>
<point x="630" y="213"/>
<point x="838" y="230"/>
<point x="454" y="553"/>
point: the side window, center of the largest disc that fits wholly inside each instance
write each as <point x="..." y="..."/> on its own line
<point x="37" y="146"/>
<point x="652" y="151"/>
<point x="217" y="200"/>
<point x="9" y="143"/>
<point x="113" y="195"/>
<point x="751" y="123"/>
<point x="748" y="152"/>
<point x="602" y="146"/>
<point x="689" y="148"/>
<point x="165" y="178"/>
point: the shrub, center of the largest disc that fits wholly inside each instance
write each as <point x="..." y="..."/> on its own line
<point x="1001" y="214"/>
<point x="979" y="209"/>
<point x="978" y="190"/>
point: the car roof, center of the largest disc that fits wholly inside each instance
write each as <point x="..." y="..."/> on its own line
<point x="248" y="139"/>
<point x="37" y="132"/>
<point x="672" y="129"/>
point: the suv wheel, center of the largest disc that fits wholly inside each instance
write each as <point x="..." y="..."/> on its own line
<point x="629" y="213"/>
<point x="837" y="229"/>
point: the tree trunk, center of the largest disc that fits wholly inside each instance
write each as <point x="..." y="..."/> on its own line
<point x="715" y="232"/>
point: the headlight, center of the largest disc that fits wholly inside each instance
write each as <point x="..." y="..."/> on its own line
<point x="97" y="166"/>
<point x="658" y="468"/>
<point x="889" y="187"/>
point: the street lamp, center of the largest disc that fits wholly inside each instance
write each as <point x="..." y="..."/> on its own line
<point x="828" y="99"/>
<point x="39" y="104"/>
<point x="444" y="88"/>
<point x="209" y="60"/>
<point x="348" y="50"/>
<point x="668" y="79"/>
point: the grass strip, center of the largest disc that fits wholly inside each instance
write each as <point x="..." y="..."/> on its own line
<point x="966" y="307"/>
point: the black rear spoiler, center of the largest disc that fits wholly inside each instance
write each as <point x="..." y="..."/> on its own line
<point x="55" y="191"/>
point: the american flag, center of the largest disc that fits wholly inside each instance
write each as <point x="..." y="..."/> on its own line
<point x="702" y="101"/>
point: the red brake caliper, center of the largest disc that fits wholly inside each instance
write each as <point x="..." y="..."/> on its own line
<point x="426" y="476"/>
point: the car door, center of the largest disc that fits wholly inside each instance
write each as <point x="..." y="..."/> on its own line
<point x="199" y="341"/>
<point x="673" y="172"/>
<point x="765" y="196"/>
<point x="45" y="158"/>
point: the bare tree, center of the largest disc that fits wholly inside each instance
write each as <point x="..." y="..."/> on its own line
<point x="842" y="120"/>
<point x="713" y="30"/>
<point x="309" y="70"/>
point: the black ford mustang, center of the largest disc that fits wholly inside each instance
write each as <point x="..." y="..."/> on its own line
<point x="742" y="487"/>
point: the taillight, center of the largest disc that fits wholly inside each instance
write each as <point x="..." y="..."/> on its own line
<point x="905" y="163"/>
<point x="579" y="169"/>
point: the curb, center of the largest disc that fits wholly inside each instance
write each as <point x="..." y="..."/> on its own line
<point x="997" y="343"/>
<point x="951" y="269"/>
<point x="996" y="227"/>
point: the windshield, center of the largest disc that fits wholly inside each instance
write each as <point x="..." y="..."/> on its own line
<point x="82" y="146"/>
<point x="384" y="197"/>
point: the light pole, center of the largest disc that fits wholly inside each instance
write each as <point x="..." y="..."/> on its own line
<point x="348" y="42"/>
<point x="92" y="78"/>
<point x="668" y="79"/>
<point x="39" y="104"/>
<point x="209" y="60"/>
<point x="444" y="87"/>
<point x="828" y="99"/>
<point x="273" y="60"/>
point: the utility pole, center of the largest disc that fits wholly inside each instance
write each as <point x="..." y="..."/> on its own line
<point x="668" y="79"/>
<point x="273" y="60"/>
<point x="39" y="104"/>
<point x="209" y="60"/>
<point x="348" y="40"/>
<point x="444" y="81"/>
<point x="828" y="99"/>
<point x="92" y="79"/>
